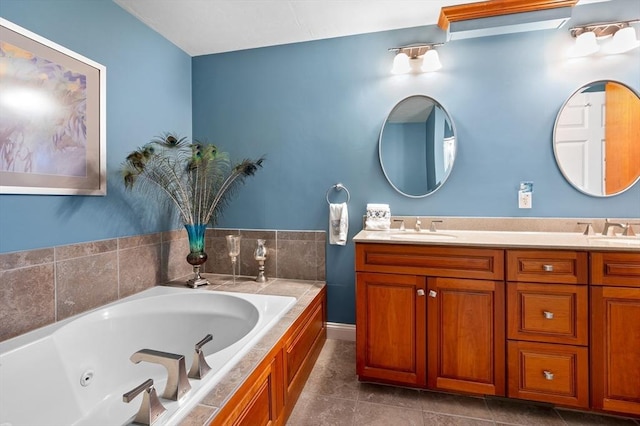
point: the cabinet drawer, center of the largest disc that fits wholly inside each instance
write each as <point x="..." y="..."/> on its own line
<point x="618" y="269"/>
<point x="554" y="313"/>
<point x="429" y="260"/>
<point x="547" y="266"/>
<point x="545" y="372"/>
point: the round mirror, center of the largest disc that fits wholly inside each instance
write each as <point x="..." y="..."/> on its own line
<point x="595" y="138"/>
<point x="417" y="146"/>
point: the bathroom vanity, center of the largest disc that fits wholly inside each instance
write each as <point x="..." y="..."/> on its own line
<point x="548" y="317"/>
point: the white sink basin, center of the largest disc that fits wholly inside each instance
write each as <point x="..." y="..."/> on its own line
<point x="422" y="236"/>
<point x="632" y="241"/>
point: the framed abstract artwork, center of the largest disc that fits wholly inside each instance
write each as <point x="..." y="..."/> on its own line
<point x="52" y="117"/>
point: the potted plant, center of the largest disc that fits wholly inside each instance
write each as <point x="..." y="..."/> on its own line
<point x="195" y="177"/>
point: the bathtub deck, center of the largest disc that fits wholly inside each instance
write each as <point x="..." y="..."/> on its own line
<point x="303" y="291"/>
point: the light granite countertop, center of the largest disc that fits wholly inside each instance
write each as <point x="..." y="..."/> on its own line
<point x="303" y="291"/>
<point x="503" y="239"/>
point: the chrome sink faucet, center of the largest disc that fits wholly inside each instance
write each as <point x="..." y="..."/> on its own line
<point x="418" y="223"/>
<point x="401" y="227"/>
<point x="608" y="224"/>
<point x="177" y="382"/>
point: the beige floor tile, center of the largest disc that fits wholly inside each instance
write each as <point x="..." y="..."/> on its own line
<point x="390" y="395"/>
<point x="437" y="419"/>
<point x="319" y="410"/>
<point x="518" y="413"/>
<point x="333" y="396"/>
<point x="590" y="419"/>
<point x="382" y="415"/>
<point x="455" y="404"/>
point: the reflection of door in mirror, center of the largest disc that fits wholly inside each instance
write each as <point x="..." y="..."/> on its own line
<point x="596" y="138"/>
<point x="622" y="132"/>
<point x="580" y="140"/>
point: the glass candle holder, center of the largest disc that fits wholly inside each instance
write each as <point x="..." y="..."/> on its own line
<point x="233" y="248"/>
<point x="260" y="254"/>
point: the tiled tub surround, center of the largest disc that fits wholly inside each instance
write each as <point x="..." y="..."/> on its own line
<point x="303" y="291"/>
<point x="39" y="287"/>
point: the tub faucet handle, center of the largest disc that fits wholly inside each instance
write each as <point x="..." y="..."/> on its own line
<point x="199" y="367"/>
<point x="151" y="408"/>
<point x="177" y="382"/>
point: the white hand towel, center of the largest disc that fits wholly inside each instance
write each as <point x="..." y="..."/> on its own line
<point x="378" y="217"/>
<point x="338" y="224"/>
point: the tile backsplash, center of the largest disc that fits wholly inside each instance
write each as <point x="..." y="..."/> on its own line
<point x="39" y="287"/>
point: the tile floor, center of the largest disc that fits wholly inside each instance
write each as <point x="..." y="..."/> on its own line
<point x="333" y="396"/>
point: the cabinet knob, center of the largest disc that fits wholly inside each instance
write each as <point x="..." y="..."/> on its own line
<point x="547" y="314"/>
<point x="432" y="293"/>
<point x="548" y="375"/>
<point x="547" y="268"/>
<point x="420" y="292"/>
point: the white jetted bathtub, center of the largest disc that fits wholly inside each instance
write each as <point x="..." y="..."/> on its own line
<point x="75" y="372"/>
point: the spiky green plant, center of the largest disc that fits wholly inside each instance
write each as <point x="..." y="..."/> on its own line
<point x="197" y="178"/>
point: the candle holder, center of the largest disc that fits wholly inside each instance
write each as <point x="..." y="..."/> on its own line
<point x="233" y="248"/>
<point x="260" y="255"/>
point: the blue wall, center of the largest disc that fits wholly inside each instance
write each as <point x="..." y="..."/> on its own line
<point x="148" y="91"/>
<point x="316" y="109"/>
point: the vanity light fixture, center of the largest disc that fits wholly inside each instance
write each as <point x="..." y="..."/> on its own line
<point x="416" y="57"/>
<point x="588" y="38"/>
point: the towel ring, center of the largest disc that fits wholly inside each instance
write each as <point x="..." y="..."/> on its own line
<point x="338" y="187"/>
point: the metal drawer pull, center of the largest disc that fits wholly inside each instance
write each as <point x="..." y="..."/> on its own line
<point x="548" y="375"/>
<point x="547" y="314"/>
<point x="547" y="268"/>
<point x="420" y="292"/>
<point x="432" y="293"/>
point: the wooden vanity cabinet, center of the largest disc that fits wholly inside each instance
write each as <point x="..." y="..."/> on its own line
<point x="462" y="291"/>
<point x="548" y="326"/>
<point x="615" y="332"/>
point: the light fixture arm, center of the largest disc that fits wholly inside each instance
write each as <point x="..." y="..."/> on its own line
<point x="603" y="29"/>
<point x="415" y="50"/>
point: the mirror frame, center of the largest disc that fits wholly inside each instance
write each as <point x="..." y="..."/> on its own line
<point x="455" y="144"/>
<point x="555" y="127"/>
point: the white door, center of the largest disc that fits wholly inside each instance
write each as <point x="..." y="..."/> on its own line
<point x="579" y="141"/>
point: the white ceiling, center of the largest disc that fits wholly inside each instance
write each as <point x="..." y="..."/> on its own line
<point x="201" y="27"/>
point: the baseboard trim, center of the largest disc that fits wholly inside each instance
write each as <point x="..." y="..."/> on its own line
<point x="339" y="331"/>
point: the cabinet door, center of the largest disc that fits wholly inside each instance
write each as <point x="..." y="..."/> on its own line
<point x="466" y="336"/>
<point x="390" y="331"/>
<point x="615" y="349"/>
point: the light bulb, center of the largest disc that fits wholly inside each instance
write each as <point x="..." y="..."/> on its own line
<point x="624" y="40"/>
<point x="585" y="45"/>
<point x="431" y="61"/>
<point x="401" y="64"/>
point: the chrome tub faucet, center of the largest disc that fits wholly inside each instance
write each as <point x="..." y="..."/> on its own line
<point x="199" y="367"/>
<point x="151" y="408"/>
<point x="177" y="382"/>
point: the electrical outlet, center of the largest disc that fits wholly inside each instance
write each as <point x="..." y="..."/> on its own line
<point x="524" y="199"/>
